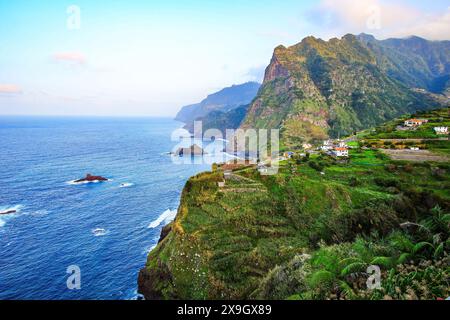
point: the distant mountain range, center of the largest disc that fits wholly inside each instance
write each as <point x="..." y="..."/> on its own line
<point x="219" y="108"/>
<point x="322" y="88"/>
<point x="318" y="89"/>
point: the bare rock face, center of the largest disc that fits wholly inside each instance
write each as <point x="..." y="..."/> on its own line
<point x="91" y="178"/>
<point x="152" y="283"/>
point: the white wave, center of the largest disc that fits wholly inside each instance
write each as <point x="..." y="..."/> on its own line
<point x="6" y="217"/>
<point x="126" y="185"/>
<point x="149" y="249"/>
<point x="16" y="208"/>
<point x="166" y="217"/>
<point x="99" y="232"/>
<point x="75" y="183"/>
<point x="39" y="213"/>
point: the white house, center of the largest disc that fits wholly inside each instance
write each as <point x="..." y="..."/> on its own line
<point x="262" y="168"/>
<point x="327" y="145"/>
<point x="340" y="152"/>
<point x="415" y="122"/>
<point x="441" y="130"/>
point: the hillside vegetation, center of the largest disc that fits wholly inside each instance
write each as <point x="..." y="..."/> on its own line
<point x="310" y="231"/>
<point x="220" y="107"/>
<point x="340" y="86"/>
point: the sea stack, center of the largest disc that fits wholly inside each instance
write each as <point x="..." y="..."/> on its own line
<point x="91" y="178"/>
<point x="194" y="150"/>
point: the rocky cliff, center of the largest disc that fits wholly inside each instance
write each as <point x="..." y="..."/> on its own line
<point x="322" y="88"/>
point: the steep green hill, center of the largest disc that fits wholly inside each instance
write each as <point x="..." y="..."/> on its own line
<point x="309" y="232"/>
<point x="317" y="88"/>
<point x="222" y="120"/>
<point x="222" y="101"/>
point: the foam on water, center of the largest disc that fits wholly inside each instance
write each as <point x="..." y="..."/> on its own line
<point x="99" y="232"/>
<point x="166" y="217"/>
<point x="126" y="185"/>
<point x="4" y="218"/>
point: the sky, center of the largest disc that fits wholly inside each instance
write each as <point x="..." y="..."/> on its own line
<point x="151" y="57"/>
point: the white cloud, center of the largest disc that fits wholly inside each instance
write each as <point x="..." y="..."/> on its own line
<point x="381" y="18"/>
<point x="9" y="89"/>
<point x="71" y="57"/>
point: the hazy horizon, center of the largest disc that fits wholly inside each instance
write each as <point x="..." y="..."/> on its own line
<point x="141" y="58"/>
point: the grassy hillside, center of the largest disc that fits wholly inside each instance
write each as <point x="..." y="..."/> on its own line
<point x="309" y="232"/>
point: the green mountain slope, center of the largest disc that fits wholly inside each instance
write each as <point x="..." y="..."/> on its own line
<point x="318" y="88"/>
<point x="311" y="230"/>
<point x="222" y="120"/>
<point x="225" y="100"/>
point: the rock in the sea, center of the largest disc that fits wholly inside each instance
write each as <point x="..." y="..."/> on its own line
<point x="194" y="150"/>
<point x="7" y="212"/>
<point x="91" y="178"/>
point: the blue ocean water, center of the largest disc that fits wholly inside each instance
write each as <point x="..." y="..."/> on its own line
<point x="103" y="228"/>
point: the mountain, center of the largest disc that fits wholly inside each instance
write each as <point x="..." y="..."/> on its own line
<point x="223" y="101"/>
<point x="312" y="230"/>
<point x="413" y="61"/>
<point x="319" y="88"/>
<point x="222" y="120"/>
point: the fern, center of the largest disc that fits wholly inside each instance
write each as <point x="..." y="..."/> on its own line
<point x="347" y="290"/>
<point x="353" y="267"/>
<point x="420" y="246"/>
<point x="404" y="257"/>
<point x="382" y="261"/>
<point x="322" y="277"/>
<point x="439" y="251"/>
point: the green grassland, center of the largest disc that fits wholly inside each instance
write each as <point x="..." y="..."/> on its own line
<point x="437" y="118"/>
<point x="309" y="232"/>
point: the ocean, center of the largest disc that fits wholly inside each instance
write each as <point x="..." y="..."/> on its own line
<point x="106" y="229"/>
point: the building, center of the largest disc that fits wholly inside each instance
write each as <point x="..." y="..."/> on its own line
<point x="340" y="152"/>
<point x="327" y="145"/>
<point x="288" y="155"/>
<point x="441" y="130"/>
<point x="262" y="168"/>
<point x="415" y="122"/>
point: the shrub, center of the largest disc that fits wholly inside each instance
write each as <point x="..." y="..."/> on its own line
<point x="316" y="166"/>
<point x="387" y="182"/>
<point x="284" y="281"/>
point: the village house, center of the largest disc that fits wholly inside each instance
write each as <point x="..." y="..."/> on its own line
<point x="415" y="122"/>
<point x="288" y="155"/>
<point x="327" y="145"/>
<point x="262" y="168"/>
<point x="441" y="130"/>
<point x="340" y="152"/>
<point x="307" y="146"/>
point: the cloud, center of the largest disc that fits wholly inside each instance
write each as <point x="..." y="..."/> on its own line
<point x="381" y="18"/>
<point x="70" y="57"/>
<point x="9" y="89"/>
